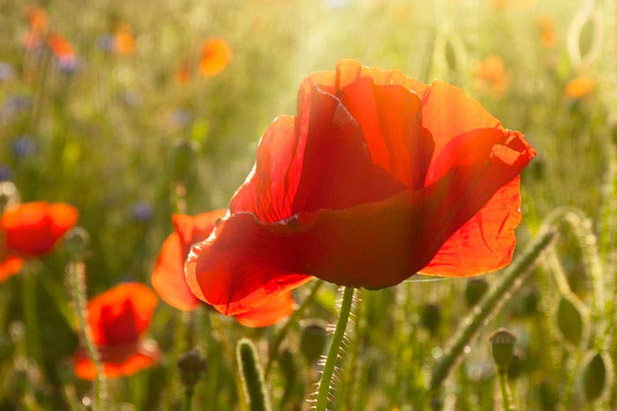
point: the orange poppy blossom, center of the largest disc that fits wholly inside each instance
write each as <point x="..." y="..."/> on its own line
<point x="492" y="75"/>
<point x="38" y="22"/>
<point x="118" y="318"/>
<point x="62" y="49"/>
<point x="215" y="56"/>
<point x="124" y="42"/>
<point x="31" y="230"/>
<point x="377" y="177"/>
<point x="168" y="276"/>
<point x="579" y="87"/>
<point x="546" y="26"/>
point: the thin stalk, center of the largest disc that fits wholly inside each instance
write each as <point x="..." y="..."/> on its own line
<point x="333" y="352"/>
<point x="76" y="272"/>
<point x="505" y="394"/>
<point x="188" y="398"/>
<point x="510" y="280"/>
<point x="293" y="319"/>
<point x="31" y="318"/>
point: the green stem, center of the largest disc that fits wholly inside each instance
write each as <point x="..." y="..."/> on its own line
<point x="510" y="280"/>
<point x="31" y="319"/>
<point x="503" y="386"/>
<point x="188" y="398"/>
<point x="76" y="272"/>
<point x="333" y="352"/>
<point x="293" y="319"/>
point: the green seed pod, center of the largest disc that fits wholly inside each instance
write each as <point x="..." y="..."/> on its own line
<point x="252" y="376"/>
<point x="431" y="317"/>
<point x="570" y="321"/>
<point x="76" y="241"/>
<point x="475" y="290"/>
<point x="313" y="339"/>
<point x="183" y="156"/>
<point x="191" y="365"/>
<point x="596" y="375"/>
<point x="502" y="345"/>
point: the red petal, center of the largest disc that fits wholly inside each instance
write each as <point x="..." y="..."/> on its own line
<point x="270" y="313"/>
<point x="32" y="229"/>
<point x="168" y="276"/>
<point x="447" y="112"/>
<point x="391" y="119"/>
<point x="10" y="266"/>
<point x="121" y="314"/>
<point x="349" y="71"/>
<point x="118" y="361"/>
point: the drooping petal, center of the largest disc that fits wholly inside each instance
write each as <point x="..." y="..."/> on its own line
<point x="270" y="313"/>
<point x="32" y="229"/>
<point x="121" y="314"/>
<point x="247" y="262"/>
<point x="168" y="276"/>
<point x="118" y="360"/>
<point x="9" y="266"/>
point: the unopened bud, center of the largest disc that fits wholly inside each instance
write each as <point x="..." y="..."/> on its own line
<point x="431" y="317"/>
<point x="191" y="365"/>
<point x="502" y="345"/>
<point x="184" y="153"/>
<point x="313" y="339"/>
<point x="475" y="290"/>
<point x="570" y="321"/>
<point x="76" y="241"/>
<point x="594" y="376"/>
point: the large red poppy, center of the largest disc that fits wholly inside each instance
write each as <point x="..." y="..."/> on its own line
<point x="169" y="281"/>
<point x="377" y="177"/>
<point x="118" y="318"/>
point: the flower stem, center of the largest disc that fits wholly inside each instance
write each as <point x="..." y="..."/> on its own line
<point x="188" y="398"/>
<point x="76" y="275"/>
<point x="31" y="319"/>
<point x="333" y="352"/>
<point x="503" y="386"/>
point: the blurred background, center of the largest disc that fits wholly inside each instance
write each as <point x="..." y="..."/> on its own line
<point x="91" y="111"/>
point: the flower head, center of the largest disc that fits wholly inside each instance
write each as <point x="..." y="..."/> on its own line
<point x="580" y="87"/>
<point x="117" y="319"/>
<point x="215" y="56"/>
<point x="377" y="177"/>
<point x="169" y="281"/>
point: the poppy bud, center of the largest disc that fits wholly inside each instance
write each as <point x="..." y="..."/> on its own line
<point x="183" y="155"/>
<point x="76" y="241"/>
<point x="595" y="375"/>
<point x="570" y="321"/>
<point x="502" y="344"/>
<point x="191" y="365"/>
<point x="475" y="290"/>
<point x="431" y="317"/>
<point x="252" y="376"/>
<point x="313" y="339"/>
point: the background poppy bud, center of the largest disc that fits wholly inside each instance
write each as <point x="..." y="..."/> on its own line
<point x="595" y="375"/>
<point x="570" y="321"/>
<point x="475" y="290"/>
<point x="76" y="241"/>
<point x="431" y="317"/>
<point x="502" y="346"/>
<point x="313" y="339"/>
<point x="191" y="365"/>
<point x="183" y="155"/>
<point x="252" y="376"/>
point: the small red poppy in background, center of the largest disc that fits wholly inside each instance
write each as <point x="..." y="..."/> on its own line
<point x="169" y="281"/>
<point x="31" y="230"/>
<point x="118" y="318"/>
<point x="38" y="22"/>
<point x="123" y="40"/>
<point x="580" y="87"/>
<point x="492" y="76"/>
<point x="215" y="56"/>
<point x="378" y="177"/>
<point x="62" y="49"/>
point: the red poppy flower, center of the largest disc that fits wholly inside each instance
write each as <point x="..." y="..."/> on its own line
<point x="169" y="281"/>
<point x="62" y="49"/>
<point x="33" y="229"/>
<point x="117" y="320"/>
<point x="378" y="177"/>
